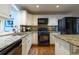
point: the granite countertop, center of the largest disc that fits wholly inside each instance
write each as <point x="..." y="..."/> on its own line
<point x="9" y="39"/>
<point x="72" y="39"/>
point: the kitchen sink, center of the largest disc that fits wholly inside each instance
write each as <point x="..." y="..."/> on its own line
<point x="18" y="34"/>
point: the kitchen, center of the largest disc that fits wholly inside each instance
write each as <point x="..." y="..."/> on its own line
<point x="32" y="29"/>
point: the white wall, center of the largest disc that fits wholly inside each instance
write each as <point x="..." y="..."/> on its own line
<point x="2" y="25"/>
<point x="2" y="20"/>
<point x="53" y="19"/>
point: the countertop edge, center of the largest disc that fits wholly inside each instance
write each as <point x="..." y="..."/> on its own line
<point x="66" y="40"/>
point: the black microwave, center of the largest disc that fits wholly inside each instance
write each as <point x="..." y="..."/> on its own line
<point x="42" y="20"/>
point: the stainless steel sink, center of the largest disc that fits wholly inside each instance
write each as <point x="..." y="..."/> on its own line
<point x="18" y="34"/>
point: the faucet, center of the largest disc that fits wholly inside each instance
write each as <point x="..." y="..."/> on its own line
<point x="15" y="29"/>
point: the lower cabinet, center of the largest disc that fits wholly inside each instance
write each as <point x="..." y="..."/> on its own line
<point x="35" y="38"/>
<point x="26" y="44"/>
<point x="52" y="39"/>
<point x="62" y="47"/>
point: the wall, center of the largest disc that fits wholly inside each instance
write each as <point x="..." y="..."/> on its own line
<point x="6" y="30"/>
<point x="13" y="18"/>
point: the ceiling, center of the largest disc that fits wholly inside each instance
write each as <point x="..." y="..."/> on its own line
<point x="49" y="8"/>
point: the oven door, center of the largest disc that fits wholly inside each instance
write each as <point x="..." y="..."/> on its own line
<point x="43" y="38"/>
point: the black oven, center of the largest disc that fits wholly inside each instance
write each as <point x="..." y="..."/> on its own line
<point x="42" y="20"/>
<point x="43" y="36"/>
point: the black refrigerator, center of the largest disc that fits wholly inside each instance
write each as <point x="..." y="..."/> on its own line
<point x="68" y="25"/>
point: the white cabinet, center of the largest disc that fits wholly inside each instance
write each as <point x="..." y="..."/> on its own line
<point x="53" y="21"/>
<point x="62" y="47"/>
<point x="23" y="17"/>
<point x="29" y="42"/>
<point x="52" y="39"/>
<point x="26" y="44"/>
<point x="29" y="19"/>
<point x="5" y="10"/>
<point x="35" y="38"/>
<point x="35" y="20"/>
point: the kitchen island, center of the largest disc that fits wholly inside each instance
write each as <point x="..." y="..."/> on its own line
<point x="66" y="44"/>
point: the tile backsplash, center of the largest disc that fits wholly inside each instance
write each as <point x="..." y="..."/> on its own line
<point x="35" y="28"/>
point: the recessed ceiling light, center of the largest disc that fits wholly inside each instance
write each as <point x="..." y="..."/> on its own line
<point x="57" y="6"/>
<point x="37" y="6"/>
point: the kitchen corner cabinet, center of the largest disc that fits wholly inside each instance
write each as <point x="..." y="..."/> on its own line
<point x="5" y="10"/>
<point x="26" y="44"/>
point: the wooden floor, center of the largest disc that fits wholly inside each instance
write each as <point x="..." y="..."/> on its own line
<point x="42" y="50"/>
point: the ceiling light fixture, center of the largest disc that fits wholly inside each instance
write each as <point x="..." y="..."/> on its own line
<point x="37" y="6"/>
<point x="57" y="6"/>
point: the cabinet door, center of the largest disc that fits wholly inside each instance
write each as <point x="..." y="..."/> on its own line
<point x="23" y="17"/>
<point x="62" y="47"/>
<point x="52" y="21"/>
<point x="24" y="46"/>
<point x="52" y="39"/>
<point x="60" y="27"/>
<point x="29" y="42"/>
<point x="35" y="20"/>
<point x="29" y="19"/>
<point x="35" y="38"/>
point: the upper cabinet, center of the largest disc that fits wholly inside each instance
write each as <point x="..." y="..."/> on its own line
<point x="25" y="18"/>
<point x="52" y="21"/>
<point x="29" y="19"/>
<point x="5" y="10"/>
<point x="35" y="20"/>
